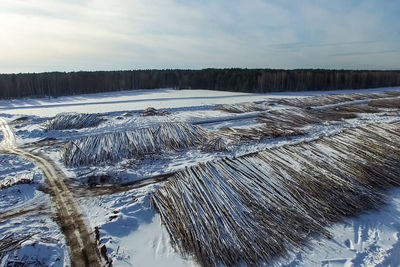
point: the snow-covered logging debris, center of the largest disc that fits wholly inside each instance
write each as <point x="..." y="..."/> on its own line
<point x="254" y="208"/>
<point x="154" y="112"/>
<point x="29" y="235"/>
<point x="137" y="143"/>
<point x="323" y="100"/>
<point x="168" y="136"/>
<point x="215" y="144"/>
<point x="288" y="118"/>
<point x="23" y="178"/>
<point x="340" y="112"/>
<point x="21" y="119"/>
<point x="32" y="240"/>
<point x="292" y="119"/>
<point x="354" y="109"/>
<point x="386" y="103"/>
<point x="19" y="179"/>
<point x="73" y="121"/>
<point x="12" y="242"/>
<point x="243" y="107"/>
<point x="257" y="132"/>
<point x="334" y="115"/>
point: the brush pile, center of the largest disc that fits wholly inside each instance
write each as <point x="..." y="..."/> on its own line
<point x="253" y="208"/>
<point x="215" y="144"/>
<point x="355" y="109"/>
<point x="391" y="103"/>
<point x="116" y="146"/>
<point x="243" y="107"/>
<point x="274" y="124"/>
<point x="323" y="100"/>
<point x="73" y="121"/>
<point x="25" y="178"/>
<point x="288" y="118"/>
<point x="10" y="243"/>
<point x="154" y="112"/>
<point x="296" y="119"/>
<point x="332" y="115"/>
<point x="257" y="132"/>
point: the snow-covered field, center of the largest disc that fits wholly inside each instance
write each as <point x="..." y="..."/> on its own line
<point x="142" y="99"/>
<point x="112" y="200"/>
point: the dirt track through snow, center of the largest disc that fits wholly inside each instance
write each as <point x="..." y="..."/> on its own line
<point x="83" y="248"/>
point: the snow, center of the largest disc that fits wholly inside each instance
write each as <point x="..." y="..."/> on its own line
<point x="46" y="247"/>
<point x="129" y="226"/>
<point x="371" y="239"/>
<point x="142" y="99"/>
<point x="150" y="246"/>
<point x="24" y="210"/>
<point x="18" y="195"/>
<point x="126" y="100"/>
<point x="131" y="229"/>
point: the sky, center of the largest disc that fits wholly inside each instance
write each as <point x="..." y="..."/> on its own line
<point x="73" y="35"/>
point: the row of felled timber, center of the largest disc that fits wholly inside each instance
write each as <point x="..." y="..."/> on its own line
<point x="173" y="136"/>
<point x="253" y="208"/>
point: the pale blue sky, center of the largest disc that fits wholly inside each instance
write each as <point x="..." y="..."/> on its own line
<point x="70" y="35"/>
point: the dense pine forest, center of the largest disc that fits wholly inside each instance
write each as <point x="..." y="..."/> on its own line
<point x="245" y="80"/>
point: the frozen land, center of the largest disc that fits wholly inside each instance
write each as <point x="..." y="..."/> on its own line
<point x="111" y="185"/>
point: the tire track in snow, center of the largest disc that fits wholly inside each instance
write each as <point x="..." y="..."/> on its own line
<point x="83" y="248"/>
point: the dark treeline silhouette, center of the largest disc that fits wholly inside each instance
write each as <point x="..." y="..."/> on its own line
<point x="245" y="80"/>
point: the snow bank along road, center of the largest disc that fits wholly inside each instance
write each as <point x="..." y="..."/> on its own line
<point x="83" y="248"/>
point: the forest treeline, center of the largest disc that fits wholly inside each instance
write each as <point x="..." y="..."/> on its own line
<point x="244" y="80"/>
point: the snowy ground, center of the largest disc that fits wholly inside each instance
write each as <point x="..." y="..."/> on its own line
<point x="131" y="229"/>
<point x="371" y="239"/>
<point x="27" y="211"/>
<point x="128" y="225"/>
<point x="141" y="99"/>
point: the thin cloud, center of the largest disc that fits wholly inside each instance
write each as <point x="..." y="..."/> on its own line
<point x="366" y="53"/>
<point x="320" y="44"/>
<point x="129" y="34"/>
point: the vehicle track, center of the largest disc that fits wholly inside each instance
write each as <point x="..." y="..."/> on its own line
<point x="83" y="248"/>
